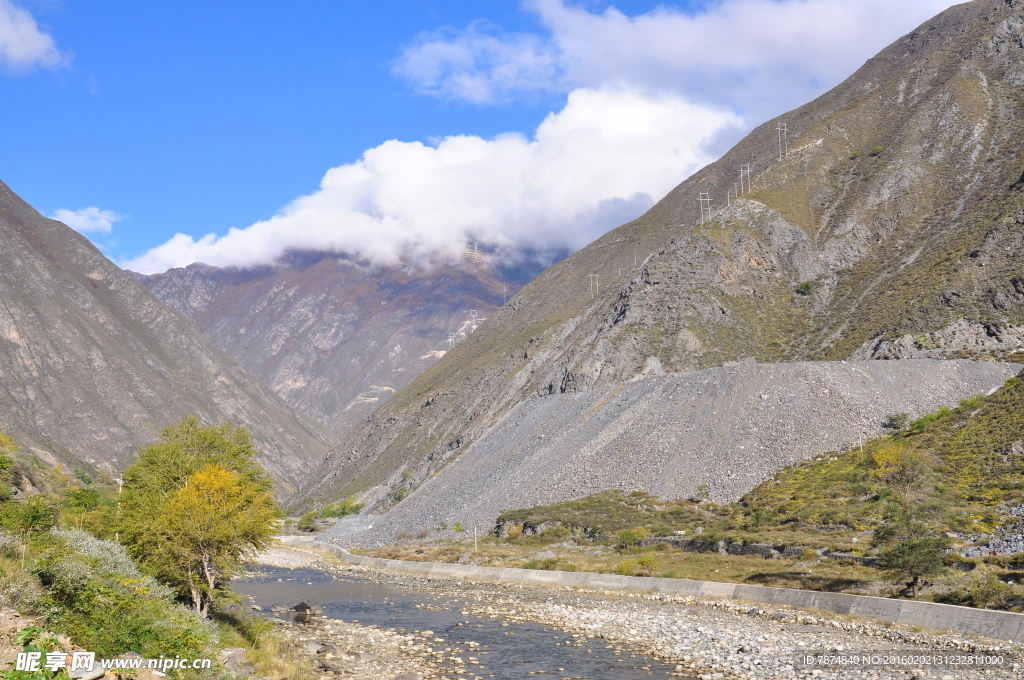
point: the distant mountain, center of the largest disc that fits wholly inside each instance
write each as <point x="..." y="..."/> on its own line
<point x="92" y="365"/>
<point x="336" y="338"/>
<point x="893" y="225"/>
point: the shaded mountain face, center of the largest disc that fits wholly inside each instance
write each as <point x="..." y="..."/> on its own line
<point x="92" y="366"/>
<point x="334" y="338"/>
<point x="896" y="218"/>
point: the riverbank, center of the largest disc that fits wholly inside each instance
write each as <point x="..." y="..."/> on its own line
<point x="345" y="649"/>
<point x="705" y="638"/>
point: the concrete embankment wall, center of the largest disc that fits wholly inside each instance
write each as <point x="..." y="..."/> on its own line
<point x="993" y="624"/>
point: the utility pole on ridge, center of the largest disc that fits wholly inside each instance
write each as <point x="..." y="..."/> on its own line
<point x="783" y="133"/>
<point x="705" y="204"/>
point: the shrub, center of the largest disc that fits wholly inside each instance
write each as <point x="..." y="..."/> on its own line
<point x="896" y="421"/>
<point x="877" y="151"/>
<point x="645" y="565"/>
<point x="855" y="155"/>
<point x="308" y="522"/>
<point x="109" y="556"/>
<point x="805" y="288"/>
<point x="342" y="508"/>
<point x="459" y="528"/>
<point x="512" y="532"/>
<point x="98" y="597"/>
<point x="405" y="535"/>
<point x="625" y="568"/>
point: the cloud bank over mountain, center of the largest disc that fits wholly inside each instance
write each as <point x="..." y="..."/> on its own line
<point x="649" y="99"/>
<point x="602" y="160"/>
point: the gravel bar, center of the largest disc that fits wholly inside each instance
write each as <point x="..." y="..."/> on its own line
<point x="705" y="638"/>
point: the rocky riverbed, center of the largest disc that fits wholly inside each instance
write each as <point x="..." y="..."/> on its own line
<point x="704" y="638"/>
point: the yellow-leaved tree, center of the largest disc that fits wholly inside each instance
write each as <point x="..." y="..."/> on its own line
<point x="193" y="505"/>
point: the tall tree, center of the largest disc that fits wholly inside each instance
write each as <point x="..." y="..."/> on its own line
<point x="193" y="504"/>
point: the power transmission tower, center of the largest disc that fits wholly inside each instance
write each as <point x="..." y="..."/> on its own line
<point x="595" y="287"/>
<point x="504" y="294"/>
<point x="451" y="340"/>
<point x="472" y="315"/>
<point x="745" y="168"/>
<point x="705" y="206"/>
<point x="783" y="134"/>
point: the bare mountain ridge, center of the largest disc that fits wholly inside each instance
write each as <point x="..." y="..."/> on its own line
<point x="92" y="365"/>
<point x="336" y="338"/>
<point x="897" y="211"/>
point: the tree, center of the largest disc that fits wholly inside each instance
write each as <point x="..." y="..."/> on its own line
<point x="193" y="504"/>
<point x="642" y="535"/>
<point x="902" y="470"/>
<point x="31" y="516"/>
<point x="910" y="559"/>
<point x="206" y="528"/>
<point x="913" y="550"/>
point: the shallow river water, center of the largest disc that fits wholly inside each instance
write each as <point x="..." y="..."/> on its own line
<point x="508" y="650"/>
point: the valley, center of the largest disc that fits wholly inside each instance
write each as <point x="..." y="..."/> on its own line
<point x="798" y="375"/>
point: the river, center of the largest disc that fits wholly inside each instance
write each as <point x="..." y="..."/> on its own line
<point x="508" y="650"/>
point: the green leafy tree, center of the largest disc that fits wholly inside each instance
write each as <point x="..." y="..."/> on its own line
<point x="193" y="505"/>
<point x="643" y="534"/>
<point x="912" y="551"/>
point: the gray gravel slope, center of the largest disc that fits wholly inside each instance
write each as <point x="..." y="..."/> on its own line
<point x="728" y="428"/>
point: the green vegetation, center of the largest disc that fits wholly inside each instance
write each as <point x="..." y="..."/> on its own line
<point x="805" y="288"/>
<point x="877" y="151"/>
<point x="947" y="472"/>
<point x="193" y="505"/>
<point x="308" y="521"/>
<point x="72" y="581"/>
<point x="81" y="584"/>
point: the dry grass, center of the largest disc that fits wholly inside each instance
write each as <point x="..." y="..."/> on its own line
<point x="670" y="563"/>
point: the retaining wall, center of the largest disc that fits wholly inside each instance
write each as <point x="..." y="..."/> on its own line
<point x="993" y="624"/>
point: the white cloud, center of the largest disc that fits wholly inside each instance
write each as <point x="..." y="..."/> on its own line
<point x="758" y="57"/>
<point x="89" y="220"/>
<point x="649" y="99"/>
<point x="23" y="45"/>
<point x="606" y="157"/>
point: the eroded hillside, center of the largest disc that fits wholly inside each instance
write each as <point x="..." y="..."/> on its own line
<point x="898" y="211"/>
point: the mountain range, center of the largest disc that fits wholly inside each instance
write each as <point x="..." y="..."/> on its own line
<point x="93" y="366"/>
<point x="333" y="337"/>
<point x="887" y="221"/>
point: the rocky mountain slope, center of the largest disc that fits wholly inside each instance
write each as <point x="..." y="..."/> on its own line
<point x="336" y="338"/>
<point x="895" y="219"/>
<point x="92" y="365"/>
<point x="721" y="431"/>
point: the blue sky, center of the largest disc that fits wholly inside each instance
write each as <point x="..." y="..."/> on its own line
<point x="156" y="128"/>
